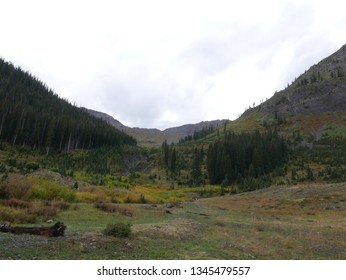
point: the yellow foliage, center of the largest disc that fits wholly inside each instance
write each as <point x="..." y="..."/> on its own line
<point x="86" y="197"/>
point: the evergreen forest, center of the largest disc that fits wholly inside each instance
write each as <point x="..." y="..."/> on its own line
<point x="245" y="155"/>
<point x="31" y="114"/>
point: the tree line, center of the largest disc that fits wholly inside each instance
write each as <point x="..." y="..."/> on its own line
<point x="176" y="158"/>
<point x="246" y="160"/>
<point x="31" y="114"/>
<point x="243" y="156"/>
<point x="198" y="134"/>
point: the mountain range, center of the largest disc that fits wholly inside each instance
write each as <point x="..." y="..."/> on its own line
<point x="313" y="105"/>
<point x="153" y="136"/>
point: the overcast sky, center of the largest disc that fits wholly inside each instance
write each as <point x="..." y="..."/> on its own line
<point x="166" y="63"/>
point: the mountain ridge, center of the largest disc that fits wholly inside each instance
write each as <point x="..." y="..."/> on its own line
<point x="320" y="89"/>
<point x="171" y="134"/>
<point x="304" y="105"/>
<point x="309" y="106"/>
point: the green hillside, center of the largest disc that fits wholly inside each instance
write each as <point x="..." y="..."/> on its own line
<point x="312" y="103"/>
<point x="32" y="115"/>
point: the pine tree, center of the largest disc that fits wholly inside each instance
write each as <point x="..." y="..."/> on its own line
<point x="173" y="164"/>
<point x="246" y="155"/>
<point x="196" y="170"/>
<point x="31" y="114"/>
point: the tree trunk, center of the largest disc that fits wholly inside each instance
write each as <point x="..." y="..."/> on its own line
<point x="54" y="231"/>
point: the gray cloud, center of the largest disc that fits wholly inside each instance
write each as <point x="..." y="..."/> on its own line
<point x="165" y="63"/>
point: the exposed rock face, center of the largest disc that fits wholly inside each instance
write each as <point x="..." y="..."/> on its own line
<point x="107" y="118"/>
<point x="321" y="89"/>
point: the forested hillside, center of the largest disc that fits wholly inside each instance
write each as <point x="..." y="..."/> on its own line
<point x="32" y="114"/>
<point x="245" y="155"/>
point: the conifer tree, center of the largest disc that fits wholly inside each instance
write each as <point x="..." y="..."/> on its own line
<point x="31" y="114"/>
<point x="196" y="170"/>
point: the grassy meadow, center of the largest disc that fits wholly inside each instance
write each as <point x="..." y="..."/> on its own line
<point x="280" y="222"/>
<point x="301" y="216"/>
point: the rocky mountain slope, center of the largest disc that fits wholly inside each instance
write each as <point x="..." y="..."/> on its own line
<point x="313" y="101"/>
<point x="320" y="89"/>
<point x="153" y="136"/>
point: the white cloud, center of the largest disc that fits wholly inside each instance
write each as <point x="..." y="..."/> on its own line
<point x="164" y="63"/>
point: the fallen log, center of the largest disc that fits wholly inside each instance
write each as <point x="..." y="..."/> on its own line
<point x="54" y="231"/>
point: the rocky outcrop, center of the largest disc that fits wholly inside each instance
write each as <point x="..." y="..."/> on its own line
<point x="321" y="89"/>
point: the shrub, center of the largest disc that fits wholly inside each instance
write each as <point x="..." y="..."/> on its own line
<point x="45" y="212"/>
<point x="17" y="203"/>
<point x="16" y="216"/>
<point x="128" y="199"/>
<point x="3" y="193"/>
<point x="15" y="188"/>
<point x="93" y="194"/>
<point x="60" y="205"/>
<point x="107" y="207"/>
<point x="17" y="211"/>
<point x="46" y="190"/>
<point x="119" y="229"/>
<point x="86" y="197"/>
<point x="32" y="166"/>
<point x="142" y="198"/>
<point x="110" y="207"/>
<point x="3" y="168"/>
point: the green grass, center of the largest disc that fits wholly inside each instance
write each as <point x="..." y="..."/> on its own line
<point x="301" y="221"/>
<point x="288" y="222"/>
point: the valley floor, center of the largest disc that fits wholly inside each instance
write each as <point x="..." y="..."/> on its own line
<point x="305" y="221"/>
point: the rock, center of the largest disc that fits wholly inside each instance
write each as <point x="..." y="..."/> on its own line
<point x="169" y="205"/>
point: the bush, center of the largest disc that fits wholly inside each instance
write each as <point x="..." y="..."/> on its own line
<point x="86" y="196"/>
<point x="15" y="188"/>
<point x="17" y="203"/>
<point x="32" y="166"/>
<point x="142" y="199"/>
<point x="44" y="212"/>
<point x="94" y="194"/>
<point x="19" y="211"/>
<point x="11" y="215"/>
<point x="60" y="205"/>
<point x="3" y="168"/>
<point x="107" y="207"/>
<point x="113" y="208"/>
<point x="46" y="190"/>
<point x="119" y="229"/>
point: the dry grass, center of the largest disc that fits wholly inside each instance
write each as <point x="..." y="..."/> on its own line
<point x="23" y="211"/>
<point x="180" y="230"/>
<point x="303" y="221"/>
<point x="293" y="222"/>
<point x="16" y="187"/>
<point x="60" y="205"/>
<point x="17" y="203"/>
<point x="113" y="208"/>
